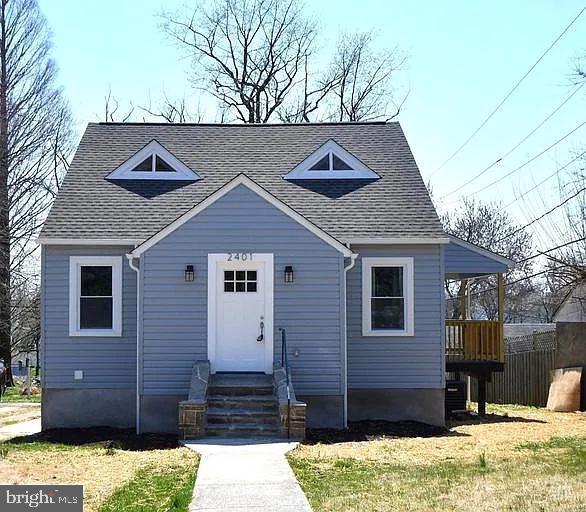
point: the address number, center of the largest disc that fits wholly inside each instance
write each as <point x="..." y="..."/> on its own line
<point x="239" y="256"/>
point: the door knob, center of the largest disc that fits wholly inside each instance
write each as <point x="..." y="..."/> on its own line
<point x="261" y="337"/>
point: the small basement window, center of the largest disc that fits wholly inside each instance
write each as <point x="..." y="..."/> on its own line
<point x="95" y="296"/>
<point x="387" y="297"/>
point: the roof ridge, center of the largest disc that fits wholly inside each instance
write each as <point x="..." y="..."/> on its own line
<point x="343" y="123"/>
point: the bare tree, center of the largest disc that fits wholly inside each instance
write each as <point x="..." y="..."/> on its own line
<point x="489" y="226"/>
<point x="259" y="59"/>
<point x="112" y="113"/>
<point x="35" y="141"/>
<point x="365" y="88"/>
<point x="247" y="53"/>
<point x="173" y="111"/>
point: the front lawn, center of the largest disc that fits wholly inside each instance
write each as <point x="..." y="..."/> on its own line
<point x="517" y="459"/>
<point x="120" y="471"/>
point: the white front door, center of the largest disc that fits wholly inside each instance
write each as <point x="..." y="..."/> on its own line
<point x="240" y="304"/>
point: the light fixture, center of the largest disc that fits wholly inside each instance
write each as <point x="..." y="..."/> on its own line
<point x="189" y="273"/>
<point x="288" y="275"/>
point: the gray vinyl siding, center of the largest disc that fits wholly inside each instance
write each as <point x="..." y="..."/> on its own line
<point x="401" y="361"/>
<point x="460" y="260"/>
<point x="107" y="362"/>
<point x="174" y="325"/>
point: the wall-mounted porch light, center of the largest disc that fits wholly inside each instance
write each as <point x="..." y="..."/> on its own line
<point x="288" y="274"/>
<point x="189" y="273"/>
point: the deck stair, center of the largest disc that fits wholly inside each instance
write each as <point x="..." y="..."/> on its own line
<point x="243" y="405"/>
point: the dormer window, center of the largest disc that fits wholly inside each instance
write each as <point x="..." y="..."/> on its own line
<point x="331" y="161"/>
<point x="153" y="162"/>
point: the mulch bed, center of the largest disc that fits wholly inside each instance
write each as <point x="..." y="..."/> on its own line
<point x="371" y="430"/>
<point x="121" y="439"/>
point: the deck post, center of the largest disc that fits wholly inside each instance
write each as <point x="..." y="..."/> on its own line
<point x="463" y="299"/>
<point x="501" y="301"/>
<point x="481" y="396"/>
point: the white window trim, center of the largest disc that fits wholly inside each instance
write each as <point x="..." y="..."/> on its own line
<point x="358" y="171"/>
<point x="153" y="148"/>
<point x="408" y="293"/>
<point x="75" y="264"/>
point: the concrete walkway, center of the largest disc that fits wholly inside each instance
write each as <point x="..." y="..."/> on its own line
<point x="249" y="475"/>
<point x="22" y="428"/>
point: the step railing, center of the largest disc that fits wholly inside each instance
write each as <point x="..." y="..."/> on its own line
<point x="285" y="366"/>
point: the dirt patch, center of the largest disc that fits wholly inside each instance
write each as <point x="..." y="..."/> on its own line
<point x="373" y="430"/>
<point x="121" y="439"/>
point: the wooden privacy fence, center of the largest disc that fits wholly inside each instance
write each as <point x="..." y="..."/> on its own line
<point x="525" y="380"/>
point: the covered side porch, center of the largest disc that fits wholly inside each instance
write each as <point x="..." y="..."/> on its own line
<point x="474" y="347"/>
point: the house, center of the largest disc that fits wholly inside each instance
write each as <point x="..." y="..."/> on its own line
<point x="206" y="276"/>
<point x="573" y="306"/>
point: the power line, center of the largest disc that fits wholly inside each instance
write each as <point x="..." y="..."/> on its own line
<point x="510" y="173"/>
<point x="545" y="179"/>
<point x="521" y="228"/>
<point x="499" y="160"/>
<point x="509" y="94"/>
<point x="542" y="253"/>
<point x="514" y="282"/>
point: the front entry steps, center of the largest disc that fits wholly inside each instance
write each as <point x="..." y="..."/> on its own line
<point x="242" y="405"/>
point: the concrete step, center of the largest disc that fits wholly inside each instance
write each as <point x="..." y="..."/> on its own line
<point x="242" y="380"/>
<point x="251" y="402"/>
<point x="214" y="389"/>
<point x="236" y="419"/>
<point x="243" y="430"/>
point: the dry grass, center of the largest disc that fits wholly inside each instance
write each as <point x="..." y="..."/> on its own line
<point x="480" y="466"/>
<point x="9" y="415"/>
<point x="100" y="469"/>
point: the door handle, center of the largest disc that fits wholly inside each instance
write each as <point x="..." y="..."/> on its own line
<point x="261" y="337"/>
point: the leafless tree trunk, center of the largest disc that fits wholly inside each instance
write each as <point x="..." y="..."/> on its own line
<point x="35" y="141"/>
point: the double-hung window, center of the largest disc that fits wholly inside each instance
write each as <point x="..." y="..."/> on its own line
<point x="95" y="296"/>
<point x="387" y="297"/>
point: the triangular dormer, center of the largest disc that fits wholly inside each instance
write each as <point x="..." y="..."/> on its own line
<point x="331" y="161"/>
<point x="153" y="162"/>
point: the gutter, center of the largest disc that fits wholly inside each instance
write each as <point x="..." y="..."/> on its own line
<point x="130" y="258"/>
<point x="347" y="268"/>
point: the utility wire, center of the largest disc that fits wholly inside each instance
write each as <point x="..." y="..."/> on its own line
<point x="544" y="180"/>
<point x="542" y="253"/>
<point x="499" y="160"/>
<point x="514" y="282"/>
<point x="509" y="94"/>
<point x="521" y="228"/>
<point x="510" y="173"/>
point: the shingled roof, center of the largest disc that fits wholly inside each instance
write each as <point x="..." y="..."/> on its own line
<point x="89" y="206"/>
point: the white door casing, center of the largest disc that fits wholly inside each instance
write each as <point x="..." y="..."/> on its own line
<point x="237" y="304"/>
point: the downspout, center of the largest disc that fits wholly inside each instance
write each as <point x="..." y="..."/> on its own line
<point x="350" y="266"/>
<point x="137" y="270"/>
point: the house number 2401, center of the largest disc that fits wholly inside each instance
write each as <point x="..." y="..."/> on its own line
<point x="239" y="256"/>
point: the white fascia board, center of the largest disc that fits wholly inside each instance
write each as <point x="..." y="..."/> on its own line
<point x="481" y="250"/>
<point x="247" y="182"/>
<point x="397" y="240"/>
<point x="181" y="171"/>
<point x="359" y="170"/>
<point x="87" y="241"/>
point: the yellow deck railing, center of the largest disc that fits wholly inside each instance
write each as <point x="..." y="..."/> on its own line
<point x="474" y="340"/>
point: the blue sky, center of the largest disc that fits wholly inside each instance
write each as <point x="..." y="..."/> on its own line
<point x="463" y="57"/>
